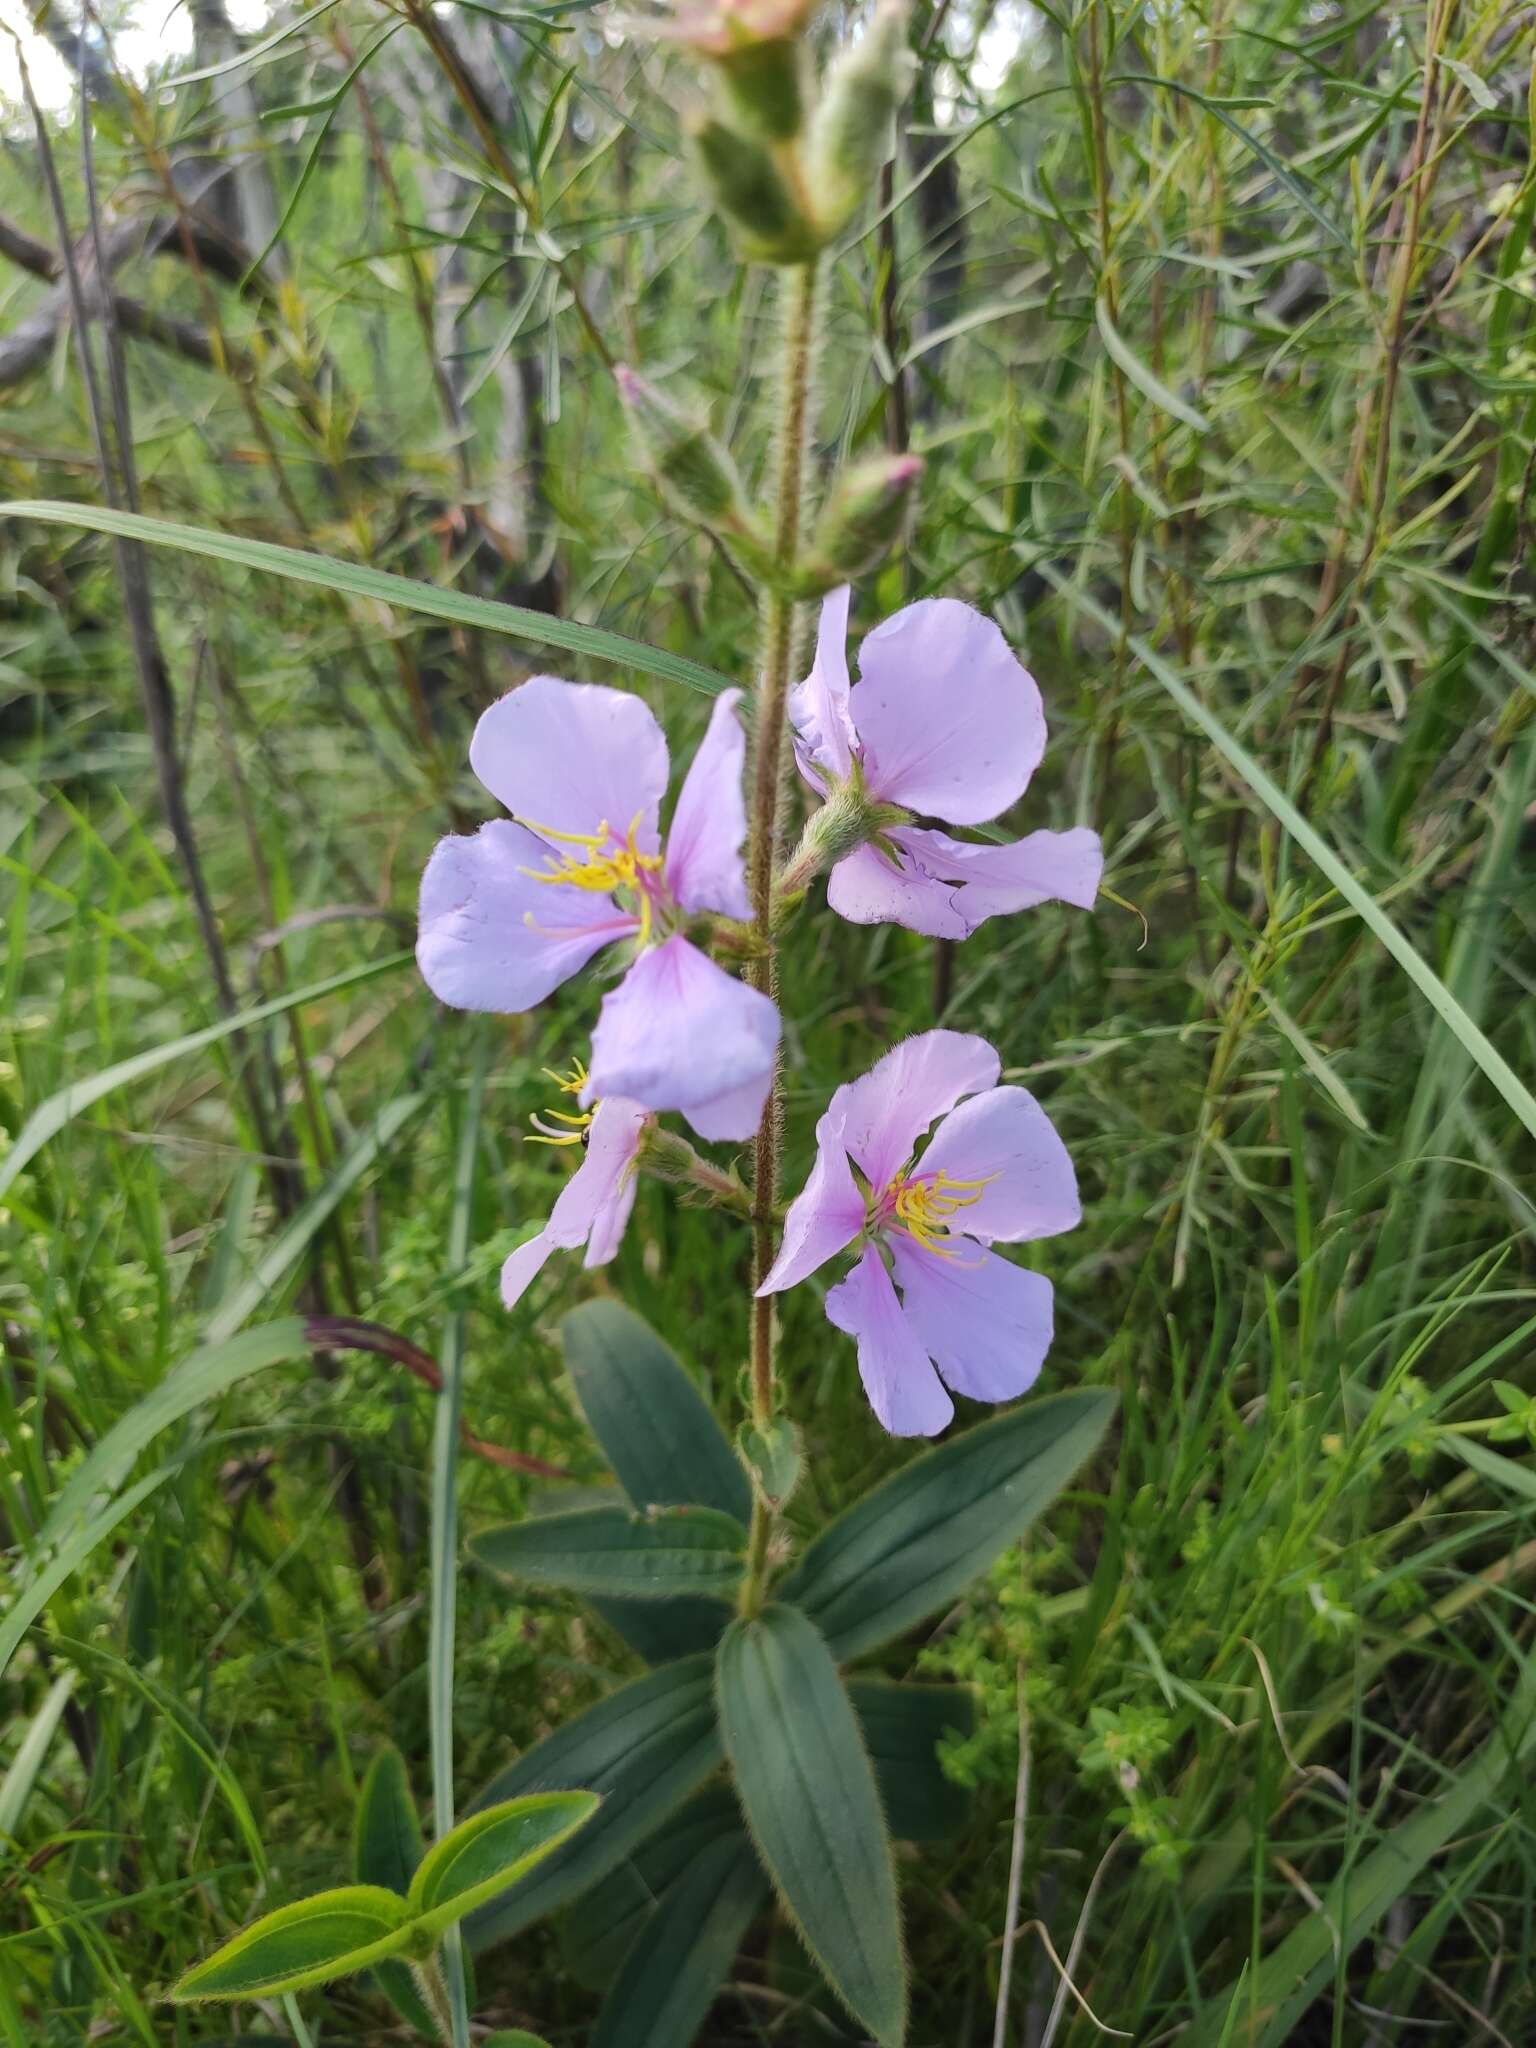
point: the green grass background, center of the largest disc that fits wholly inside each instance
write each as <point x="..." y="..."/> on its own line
<point x="1214" y="326"/>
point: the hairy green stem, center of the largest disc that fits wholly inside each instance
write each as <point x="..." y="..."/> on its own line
<point x="780" y="623"/>
<point x="433" y="1987"/>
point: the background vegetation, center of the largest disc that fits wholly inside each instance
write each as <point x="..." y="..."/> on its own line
<point x="1214" y="324"/>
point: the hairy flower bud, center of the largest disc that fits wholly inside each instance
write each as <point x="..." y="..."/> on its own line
<point x="854" y="132"/>
<point x="848" y="819"/>
<point x="749" y="189"/>
<point x="694" y="470"/>
<point x="862" y="520"/>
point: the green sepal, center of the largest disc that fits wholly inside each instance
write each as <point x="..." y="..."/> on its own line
<point x="334" y="1934"/>
<point x="490" y="1851"/>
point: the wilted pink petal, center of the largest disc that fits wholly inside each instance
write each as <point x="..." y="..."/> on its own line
<point x="493" y="938"/>
<point x="986" y="1324"/>
<point x="888" y="1109"/>
<point x="826" y="1215"/>
<point x="868" y="887"/>
<point x="593" y="1206"/>
<point x="1044" y="867"/>
<point x="704" y="867"/>
<point x="950" y="722"/>
<point x="574" y="757"/>
<point x="818" y="707"/>
<point x="680" y="1033"/>
<point x="899" y="1379"/>
<point x="1006" y="1139"/>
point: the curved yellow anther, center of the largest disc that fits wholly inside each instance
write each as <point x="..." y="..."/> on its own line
<point x="611" y="863"/>
<point x="925" y="1206"/>
<point x="578" y="1120"/>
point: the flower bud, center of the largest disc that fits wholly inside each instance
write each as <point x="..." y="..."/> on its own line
<point x="848" y="819"/>
<point x="755" y="46"/>
<point x="854" y="133"/>
<point x="694" y="470"/>
<point x="862" y="520"/>
<point x="749" y="190"/>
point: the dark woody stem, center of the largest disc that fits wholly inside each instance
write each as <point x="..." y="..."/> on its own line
<point x="780" y="626"/>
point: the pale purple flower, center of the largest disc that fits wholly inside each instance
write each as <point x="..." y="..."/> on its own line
<point x="593" y="1206"/>
<point x="993" y="1172"/>
<point x="509" y="914"/>
<point x="944" y="722"/>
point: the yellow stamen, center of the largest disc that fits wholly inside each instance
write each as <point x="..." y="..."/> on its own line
<point x="568" y="1084"/>
<point x="611" y="863"/>
<point x="924" y="1207"/>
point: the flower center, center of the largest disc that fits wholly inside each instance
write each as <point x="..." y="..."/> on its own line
<point x="608" y="863"/>
<point x="576" y="1121"/>
<point x="925" y="1206"/>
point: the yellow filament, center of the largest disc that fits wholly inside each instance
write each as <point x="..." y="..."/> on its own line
<point x="568" y="1084"/>
<point x="611" y="864"/>
<point x="924" y="1207"/>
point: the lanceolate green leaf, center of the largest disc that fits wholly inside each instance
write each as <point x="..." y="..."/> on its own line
<point x="330" y="1935"/>
<point x="1142" y="375"/>
<point x="611" y="1550"/>
<point x="387" y="1842"/>
<point x="808" y="1791"/>
<point x="903" y="1726"/>
<point x="644" y="1749"/>
<point x="662" y="1630"/>
<point x="666" y="1448"/>
<point x="598" y="1932"/>
<point x="490" y="1851"/>
<point x="907" y="1549"/>
<point x="353" y="579"/>
<point x="655" y="1427"/>
<point x="671" y="1976"/>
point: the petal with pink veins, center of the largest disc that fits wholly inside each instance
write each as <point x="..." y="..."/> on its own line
<point x="818" y="708"/>
<point x="1005" y="1137"/>
<point x="574" y="757"/>
<point x="949" y="720"/>
<point x="986" y="1324"/>
<point x="704" y="868"/>
<point x="898" y="1376"/>
<point x="887" y="1110"/>
<point x="680" y="1033"/>
<point x="827" y="1214"/>
<point x="491" y="936"/>
<point x="868" y="887"/>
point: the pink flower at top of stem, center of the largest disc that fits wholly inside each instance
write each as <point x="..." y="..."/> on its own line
<point x="944" y="723"/>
